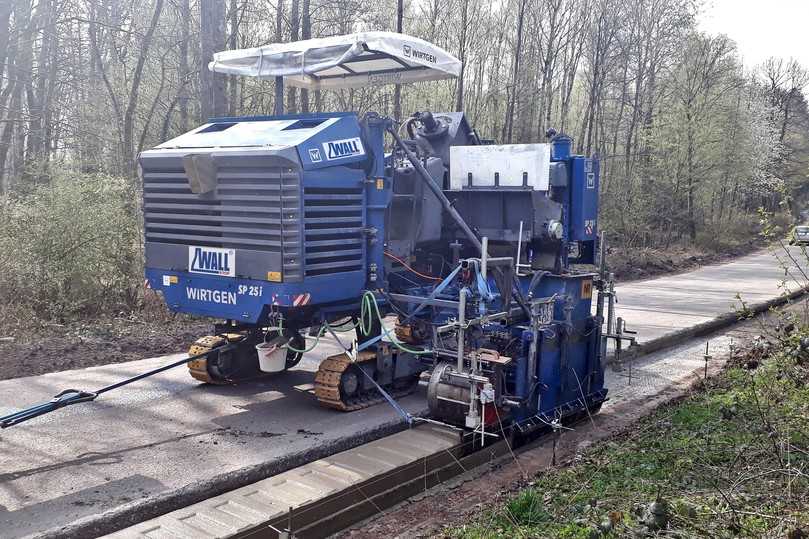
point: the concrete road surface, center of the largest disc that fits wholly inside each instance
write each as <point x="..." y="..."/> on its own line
<point x="168" y="440"/>
<point x="665" y="305"/>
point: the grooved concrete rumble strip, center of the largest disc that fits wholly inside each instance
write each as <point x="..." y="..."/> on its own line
<point x="250" y="506"/>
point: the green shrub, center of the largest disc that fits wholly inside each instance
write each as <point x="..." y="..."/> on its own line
<point x="72" y="247"/>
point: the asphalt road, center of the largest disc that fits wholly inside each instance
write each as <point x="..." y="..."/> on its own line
<point x="167" y="437"/>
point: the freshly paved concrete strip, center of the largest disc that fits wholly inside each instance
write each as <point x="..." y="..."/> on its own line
<point x="657" y="378"/>
<point x="168" y="441"/>
<point x="248" y="507"/>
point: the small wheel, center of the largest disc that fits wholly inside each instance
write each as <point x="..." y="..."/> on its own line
<point x="297" y="341"/>
<point x="221" y="364"/>
<point x="350" y="382"/>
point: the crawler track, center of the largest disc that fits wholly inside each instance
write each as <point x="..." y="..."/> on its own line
<point x="334" y="373"/>
<point x="198" y="368"/>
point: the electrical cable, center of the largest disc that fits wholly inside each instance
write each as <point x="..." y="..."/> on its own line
<point x="403" y="263"/>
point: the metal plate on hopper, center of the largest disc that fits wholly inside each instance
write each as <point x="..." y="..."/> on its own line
<point x="505" y="165"/>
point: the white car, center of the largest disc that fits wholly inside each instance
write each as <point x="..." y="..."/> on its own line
<point x="800" y="235"/>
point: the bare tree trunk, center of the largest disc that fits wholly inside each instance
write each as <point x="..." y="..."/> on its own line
<point x="549" y="58"/>
<point x="25" y="65"/>
<point x="6" y="7"/>
<point x="294" y="26"/>
<point x="691" y="187"/>
<point x="13" y="92"/>
<point x="212" y="39"/>
<point x="306" y="33"/>
<point x="35" y="154"/>
<point x="134" y="90"/>
<point x="571" y="67"/>
<point x="279" y="35"/>
<point x="462" y="54"/>
<point x="98" y="68"/>
<point x="184" y="73"/>
<point x="508" y="124"/>
<point x="233" y="43"/>
<point x="7" y="136"/>
<point x="50" y="129"/>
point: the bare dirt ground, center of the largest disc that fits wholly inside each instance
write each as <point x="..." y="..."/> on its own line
<point x="59" y="347"/>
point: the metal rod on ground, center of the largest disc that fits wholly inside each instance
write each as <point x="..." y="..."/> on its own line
<point x="618" y="345"/>
<point x="706" y="357"/>
<point x="630" y="357"/>
<point x="610" y="302"/>
<point x="75" y="396"/>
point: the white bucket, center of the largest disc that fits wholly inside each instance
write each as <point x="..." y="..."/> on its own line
<point x="271" y="356"/>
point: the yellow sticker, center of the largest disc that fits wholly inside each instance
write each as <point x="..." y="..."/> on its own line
<point x="274" y="276"/>
<point x="380" y="184"/>
<point x="173" y="279"/>
<point x="586" y="289"/>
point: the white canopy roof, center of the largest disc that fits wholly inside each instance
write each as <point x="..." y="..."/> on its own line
<point x="349" y="61"/>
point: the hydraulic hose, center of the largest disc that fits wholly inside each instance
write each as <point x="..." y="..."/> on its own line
<point x="369" y="310"/>
<point x="538" y="276"/>
<point x="370" y="307"/>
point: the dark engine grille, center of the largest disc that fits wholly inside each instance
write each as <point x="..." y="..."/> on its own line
<point x="255" y="208"/>
<point x="333" y="230"/>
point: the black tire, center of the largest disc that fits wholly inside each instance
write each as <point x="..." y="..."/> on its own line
<point x="296" y="340"/>
<point x="351" y="383"/>
<point x="220" y="365"/>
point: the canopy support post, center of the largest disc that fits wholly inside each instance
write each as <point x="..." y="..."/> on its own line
<point x="279" y="96"/>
